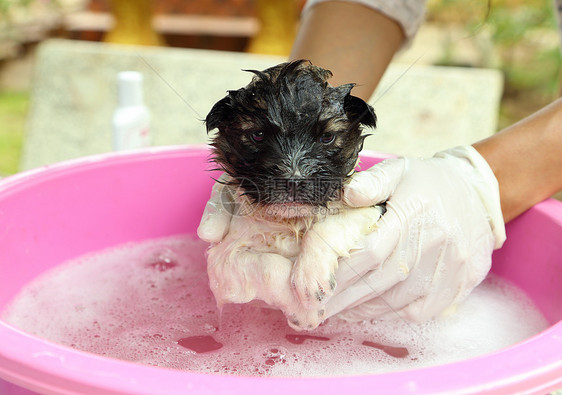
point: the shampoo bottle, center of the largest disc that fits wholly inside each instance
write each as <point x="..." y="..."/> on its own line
<point x="131" y="119"/>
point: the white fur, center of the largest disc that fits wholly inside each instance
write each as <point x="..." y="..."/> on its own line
<point x="289" y="263"/>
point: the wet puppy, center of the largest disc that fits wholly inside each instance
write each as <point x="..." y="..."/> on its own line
<point x="287" y="142"/>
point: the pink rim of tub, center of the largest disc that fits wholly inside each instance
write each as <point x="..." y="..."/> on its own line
<point x="79" y="196"/>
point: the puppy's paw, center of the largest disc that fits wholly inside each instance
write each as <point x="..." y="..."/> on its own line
<point x="305" y="320"/>
<point x="314" y="282"/>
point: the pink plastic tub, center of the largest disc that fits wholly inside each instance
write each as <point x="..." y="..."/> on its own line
<point x="59" y="212"/>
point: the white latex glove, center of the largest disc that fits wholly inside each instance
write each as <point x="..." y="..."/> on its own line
<point x="217" y="215"/>
<point x="434" y="243"/>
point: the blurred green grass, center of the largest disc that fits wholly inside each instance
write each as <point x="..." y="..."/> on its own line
<point x="13" y="111"/>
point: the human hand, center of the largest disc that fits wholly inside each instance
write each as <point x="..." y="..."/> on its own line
<point x="217" y="215"/>
<point x="434" y="243"/>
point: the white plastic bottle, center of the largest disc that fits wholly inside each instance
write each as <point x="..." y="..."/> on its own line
<point x="131" y="120"/>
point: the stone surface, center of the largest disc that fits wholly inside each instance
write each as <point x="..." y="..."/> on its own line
<point x="425" y="109"/>
<point x="421" y="109"/>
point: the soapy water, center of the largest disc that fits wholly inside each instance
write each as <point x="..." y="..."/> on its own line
<point x="150" y="303"/>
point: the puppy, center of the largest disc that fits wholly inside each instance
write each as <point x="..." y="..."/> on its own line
<point x="287" y="142"/>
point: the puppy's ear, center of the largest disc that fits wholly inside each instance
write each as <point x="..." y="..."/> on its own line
<point x="220" y="115"/>
<point x="358" y="111"/>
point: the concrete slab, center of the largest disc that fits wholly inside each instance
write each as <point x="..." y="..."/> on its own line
<point x="425" y="109"/>
<point x="421" y="109"/>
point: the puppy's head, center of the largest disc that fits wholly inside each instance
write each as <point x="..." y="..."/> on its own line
<point x="289" y="138"/>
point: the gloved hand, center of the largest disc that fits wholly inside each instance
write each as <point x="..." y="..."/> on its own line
<point x="217" y="215"/>
<point x="432" y="246"/>
<point x="434" y="243"/>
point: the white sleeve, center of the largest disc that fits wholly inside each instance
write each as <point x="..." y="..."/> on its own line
<point x="409" y="14"/>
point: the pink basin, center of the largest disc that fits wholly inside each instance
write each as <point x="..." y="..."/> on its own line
<point x="59" y="212"/>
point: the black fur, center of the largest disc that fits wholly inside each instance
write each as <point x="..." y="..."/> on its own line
<point x="289" y="136"/>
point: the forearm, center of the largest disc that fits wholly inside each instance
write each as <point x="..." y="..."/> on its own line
<point x="353" y="41"/>
<point x="526" y="159"/>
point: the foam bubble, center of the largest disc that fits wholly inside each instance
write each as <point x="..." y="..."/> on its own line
<point x="151" y="303"/>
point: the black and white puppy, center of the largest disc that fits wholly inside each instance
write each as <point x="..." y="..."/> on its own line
<point x="287" y="142"/>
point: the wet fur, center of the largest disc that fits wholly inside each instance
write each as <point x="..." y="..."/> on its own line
<point x="288" y="142"/>
<point x="296" y="109"/>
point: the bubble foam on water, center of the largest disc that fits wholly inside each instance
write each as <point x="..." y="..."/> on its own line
<point x="150" y="302"/>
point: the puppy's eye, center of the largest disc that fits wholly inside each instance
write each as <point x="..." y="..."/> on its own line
<point x="327" y="138"/>
<point x="257" y="136"/>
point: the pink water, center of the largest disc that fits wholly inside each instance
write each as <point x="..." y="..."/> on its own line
<point x="150" y="303"/>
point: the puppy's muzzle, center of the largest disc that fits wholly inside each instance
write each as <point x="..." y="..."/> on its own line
<point x="312" y="190"/>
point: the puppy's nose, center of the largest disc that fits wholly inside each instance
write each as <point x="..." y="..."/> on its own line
<point x="293" y="189"/>
<point x="306" y="190"/>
